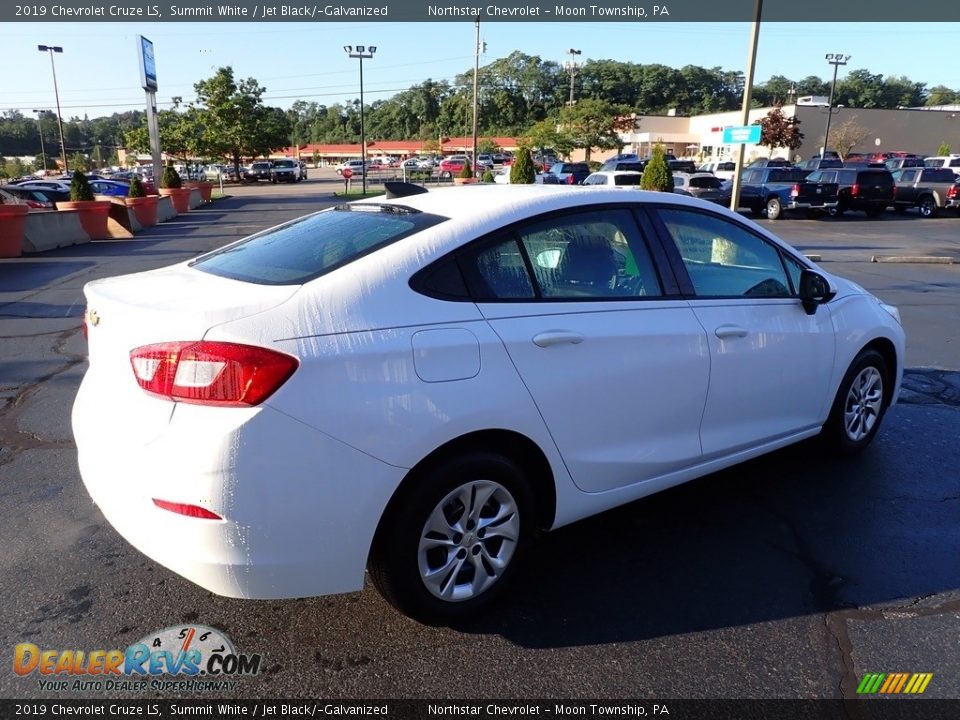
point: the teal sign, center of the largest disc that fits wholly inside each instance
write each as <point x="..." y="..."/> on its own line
<point x="741" y="135"/>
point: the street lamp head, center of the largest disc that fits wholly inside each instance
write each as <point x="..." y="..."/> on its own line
<point x="348" y="49"/>
<point x="373" y="49"/>
<point x="51" y="48"/>
<point x="361" y="48"/>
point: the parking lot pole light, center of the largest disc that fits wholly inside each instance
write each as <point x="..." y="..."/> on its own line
<point x="360" y="52"/>
<point x="476" y="77"/>
<point x="43" y="154"/>
<point x="56" y="93"/>
<point x="835" y="59"/>
<point x="747" y="96"/>
<point x="572" y="66"/>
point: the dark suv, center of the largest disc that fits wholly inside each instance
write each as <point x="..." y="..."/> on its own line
<point x="260" y="170"/>
<point x="867" y="189"/>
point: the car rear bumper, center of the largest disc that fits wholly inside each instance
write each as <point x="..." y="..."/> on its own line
<point x="805" y="205"/>
<point x="299" y="508"/>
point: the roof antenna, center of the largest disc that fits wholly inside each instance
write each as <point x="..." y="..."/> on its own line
<point x="402" y="189"/>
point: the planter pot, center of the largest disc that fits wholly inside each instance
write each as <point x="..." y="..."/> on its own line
<point x="12" y="220"/>
<point x="464" y="181"/>
<point x="179" y="196"/>
<point x="145" y="209"/>
<point x="205" y="188"/>
<point x="93" y="216"/>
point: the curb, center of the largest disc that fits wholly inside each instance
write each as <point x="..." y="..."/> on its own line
<point x="927" y="260"/>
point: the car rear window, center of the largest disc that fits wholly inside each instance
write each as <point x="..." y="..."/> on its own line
<point x="877" y="178"/>
<point x="299" y="251"/>
<point x="626" y="179"/>
<point x="706" y="182"/>
<point x="939" y="175"/>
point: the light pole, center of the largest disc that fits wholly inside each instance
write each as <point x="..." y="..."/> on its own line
<point x="43" y="154"/>
<point x="360" y="52"/>
<point x="56" y="93"/>
<point x="572" y="66"/>
<point x="835" y="59"/>
<point x="476" y="78"/>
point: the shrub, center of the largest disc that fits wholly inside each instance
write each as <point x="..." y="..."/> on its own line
<point x="487" y="177"/>
<point x="944" y="149"/>
<point x="136" y="188"/>
<point x="170" y="178"/>
<point x="522" y="172"/>
<point x="657" y="175"/>
<point x="466" y="171"/>
<point x="594" y="165"/>
<point x="80" y="188"/>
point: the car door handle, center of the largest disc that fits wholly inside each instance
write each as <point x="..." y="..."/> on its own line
<point x="557" y="337"/>
<point x="730" y="331"/>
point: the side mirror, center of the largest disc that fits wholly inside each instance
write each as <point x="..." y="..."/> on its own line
<point x="815" y="290"/>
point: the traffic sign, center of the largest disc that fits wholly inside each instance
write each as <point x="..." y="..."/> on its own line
<point x="347" y="173"/>
<point x="741" y="135"/>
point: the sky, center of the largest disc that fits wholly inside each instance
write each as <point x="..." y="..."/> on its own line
<point x="98" y="74"/>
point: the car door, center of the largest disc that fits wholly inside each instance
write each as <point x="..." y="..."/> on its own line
<point x="614" y="359"/>
<point x="770" y="362"/>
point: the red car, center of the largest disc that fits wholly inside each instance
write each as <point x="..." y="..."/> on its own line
<point x="451" y="166"/>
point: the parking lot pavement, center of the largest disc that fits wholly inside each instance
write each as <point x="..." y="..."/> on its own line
<point x="789" y="576"/>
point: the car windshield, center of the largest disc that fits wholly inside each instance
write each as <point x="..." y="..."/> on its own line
<point x="285" y="164"/>
<point x="260" y="166"/>
<point x="311" y="246"/>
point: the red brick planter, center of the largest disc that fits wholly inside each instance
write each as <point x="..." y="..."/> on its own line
<point x="12" y="220"/>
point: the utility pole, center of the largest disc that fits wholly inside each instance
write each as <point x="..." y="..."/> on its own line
<point x="572" y="67"/>
<point x="43" y="154"/>
<point x="747" y="96"/>
<point x="476" y="78"/>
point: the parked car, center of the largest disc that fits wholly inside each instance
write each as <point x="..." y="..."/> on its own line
<point x="923" y="188"/>
<point x="705" y="186"/>
<point x="896" y="163"/>
<point x="770" y="162"/>
<point x="607" y="178"/>
<point x="285" y="171"/>
<point x="45" y="199"/>
<point x="502" y="177"/>
<point x="723" y="169"/>
<point x="461" y="370"/>
<point x="356" y="167"/>
<point x="622" y="156"/>
<point x="54" y="185"/>
<point x="866" y="189"/>
<point x="816" y="163"/>
<point x="624" y="165"/>
<point x="260" y="170"/>
<point x="953" y="197"/>
<point x="146" y="180"/>
<point x="768" y="189"/>
<point x="566" y="173"/>
<point x="684" y="166"/>
<point x="817" y="193"/>
<point x="944" y="161"/>
<point x="452" y="166"/>
<point x="110" y="187"/>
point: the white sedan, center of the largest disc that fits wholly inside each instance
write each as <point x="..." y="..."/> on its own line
<point x="420" y="385"/>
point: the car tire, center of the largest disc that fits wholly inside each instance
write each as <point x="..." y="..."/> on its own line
<point x="774" y="209"/>
<point x="927" y="207"/>
<point x="430" y="564"/>
<point x="859" y="405"/>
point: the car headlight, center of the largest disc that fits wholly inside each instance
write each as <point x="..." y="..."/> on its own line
<point x="892" y="310"/>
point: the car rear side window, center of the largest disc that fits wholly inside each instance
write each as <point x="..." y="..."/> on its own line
<point x="299" y="251"/>
<point x="626" y="179"/>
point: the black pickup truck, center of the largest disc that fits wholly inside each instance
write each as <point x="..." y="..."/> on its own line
<point x="817" y="193"/>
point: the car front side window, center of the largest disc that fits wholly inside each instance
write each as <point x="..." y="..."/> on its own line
<point x="724" y="259"/>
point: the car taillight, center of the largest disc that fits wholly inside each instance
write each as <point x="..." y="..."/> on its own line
<point x="794" y="191"/>
<point x="194" y="511"/>
<point x="211" y="373"/>
<point x="952" y="191"/>
<point x="894" y="190"/>
<point x="855" y="190"/>
<point x="569" y="179"/>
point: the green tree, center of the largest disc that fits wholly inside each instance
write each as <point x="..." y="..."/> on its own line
<point x="80" y="189"/>
<point x="777" y="130"/>
<point x="235" y="122"/>
<point x="944" y="149"/>
<point x="522" y="172"/>
<point x="545" y="134"/>
<point x="592" y="123"/>
<point x="657" y="175"/>
<point x="942" y="95"/>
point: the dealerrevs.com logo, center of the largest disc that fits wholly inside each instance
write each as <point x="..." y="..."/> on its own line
<point x="204" y="656"/>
